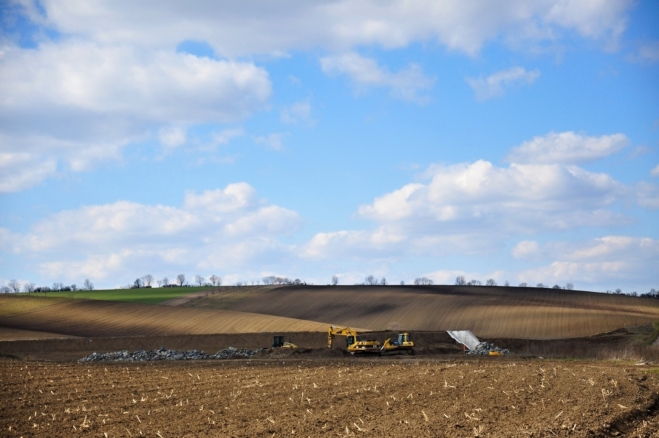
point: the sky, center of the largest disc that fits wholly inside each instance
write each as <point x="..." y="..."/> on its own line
<point x="508" y="140"/>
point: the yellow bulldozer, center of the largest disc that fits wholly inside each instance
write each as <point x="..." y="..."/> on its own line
<point x="280" y="342"/>
<point x="355" y="342"/>
<point x="401" y="344"/>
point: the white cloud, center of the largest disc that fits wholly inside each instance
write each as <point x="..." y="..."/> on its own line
<point x="648" y="52"/>
<point x="655" y="171"/>
<point x="272" y="141"/>
<point x="603" y="261"/>
<point x="407" y="84"/>
<point x="496" y="84"/>
<point x="226" y="135"/>
<point x="648" y="195"/>
<point x="172" y="137"/>
<point x="80" y="103"/>
<point x="19" y="171"/>
<point x="298" y="112"/>
<point x="216" y="229"/>
<point x="525" y="248"/>
<point x="334" y="25"/>
<point x="567" y="148"/>
<point x="474" y="208"/>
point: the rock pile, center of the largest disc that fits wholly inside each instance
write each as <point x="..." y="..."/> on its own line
<point x="484" y="348"/>
<point x="165" y="354"/>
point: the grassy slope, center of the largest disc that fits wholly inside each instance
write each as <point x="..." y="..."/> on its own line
<point x="487" y="311"/>
<point x="144" y="296"/>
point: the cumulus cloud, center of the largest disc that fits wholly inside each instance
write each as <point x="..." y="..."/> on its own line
<point x="298" y="112"/>
<point x="333" y="25"/>
<point x="601" y="261"/>
<point x="407" y="84"/>
<point x="78" y="103"/>
<point x="655" y="171"/>
<point x="567" y="148"/>
<point x="648" y="195"/>
<point x="219" y="229"/>
<point x="497" y="83"/>
<point x="473" y="208"/>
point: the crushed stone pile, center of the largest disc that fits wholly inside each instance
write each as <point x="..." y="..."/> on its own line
<point x="484" y="348"/>
<point x="165" y="354"/>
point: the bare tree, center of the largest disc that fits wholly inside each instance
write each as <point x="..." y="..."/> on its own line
<point x="423" y="281"/>
<point x="5" y="289"/>
<point x="402" y="283"/>
<point x="371" y="281"/>
<point x="460" y="280"/>
<point x="569" y="286"/>
<point x="137" y="283"/>
<point x="490" y="282"/>
<point x="28" y="287"/>
<point x="474" y="283"/>
<point x="523" y="285"/>
<point x="14" y="286"/>
<point x="556" y="287"/>
<point x="383" y="282"/>
<point x="269" y="280"/>
<point x="165" y="282"/>
<point x="539" y="285"/>
<point x="215" y="280"/>
<point x="57" y="286"/>
<point x="147" y="280"/>
<point x="199" y="280"/>
<point x="88" y="285"/>
<point x="180" y="279"/>
<point x="506" y="284"/>
<point x="335" y="280"/>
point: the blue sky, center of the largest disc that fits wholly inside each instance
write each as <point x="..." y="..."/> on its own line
<point x="502" y="140"/>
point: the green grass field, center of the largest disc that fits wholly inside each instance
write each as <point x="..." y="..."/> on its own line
<point x="145" y="295"/>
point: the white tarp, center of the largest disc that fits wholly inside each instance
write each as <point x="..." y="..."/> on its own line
<point x="464" y="337"/>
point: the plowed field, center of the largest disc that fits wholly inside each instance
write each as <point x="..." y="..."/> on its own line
<point x="392" y="398"/>
<point x="104" y="318"/>
<point x="489" y="312"/>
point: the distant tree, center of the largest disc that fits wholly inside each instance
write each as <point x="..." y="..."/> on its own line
<point x="137" y="283"/>
<point x="523" y="285"/>
<point x="239" y="283"/>
<point x="165" y="282"/>
<point x="474" y="283"/>
<point x="506" y="284"/>
<point x="569" y="286"/>
<point x="618" y="291"/>
<point x="402" y="283"/>
<point x="57" y="286"/>
<point x="14" y="286"/>
<point x="539" y="285"/>
<point x="371" y="281"/>
<point x="633" y="294"/>
<point x="28" y="287"/>
<point x="74" y="287"/>
<point x="460" y="280"/>
<point x="5" y="289"/>
<point x="269" y="280"/>
<point x="88" y="285"/>
<point x="215" y="280"/>
<point x="490" y="282"/>
<point x="556" y="287"/>
<point x="335" y="280"/>
<point x="383" y="281"/>
<point x="423" y="281"/>
<point x="180" y="279"/>
<point x="199" y="280"/>
<point x="147" y="280"/>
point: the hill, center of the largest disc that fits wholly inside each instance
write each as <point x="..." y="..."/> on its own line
<point x="489" y="312"/>
<point x="92" y="318"/>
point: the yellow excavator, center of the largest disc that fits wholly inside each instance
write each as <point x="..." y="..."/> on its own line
<point x="355" y="342"/>
<point x="402" y="344"/>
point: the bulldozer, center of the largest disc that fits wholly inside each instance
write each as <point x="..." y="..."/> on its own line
<point x="355" y="342"/>
<point x="280" y="342"/>
<point x="401" y="344"/>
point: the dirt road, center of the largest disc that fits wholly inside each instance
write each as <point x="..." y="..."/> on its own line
<point x="399" y="398"/>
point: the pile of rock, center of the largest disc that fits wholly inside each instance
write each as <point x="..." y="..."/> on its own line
<point x="165" y="354"/>
<point x="484" y="348"/>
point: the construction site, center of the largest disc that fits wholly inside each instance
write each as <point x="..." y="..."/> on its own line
<point x="234" y="362"/>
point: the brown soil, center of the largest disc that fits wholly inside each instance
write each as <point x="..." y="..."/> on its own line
<point x="12" y="334"/>
<point x="393" y="398"/>
<point x="489" y="312"/>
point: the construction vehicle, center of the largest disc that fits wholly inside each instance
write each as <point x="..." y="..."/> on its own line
<point x="280" y="342"/>
<point x="355" y="343"/>
<point x="401" y="344"/>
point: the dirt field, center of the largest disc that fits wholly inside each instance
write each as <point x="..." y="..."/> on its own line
<point x="489" y="312"/>
<point x="105" y="318"/>
<point x="398" y="398"/>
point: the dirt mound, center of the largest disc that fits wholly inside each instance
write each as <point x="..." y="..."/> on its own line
<point x="489" y="312"/>
<point x="90" y="318"/>
<point x="393" y="398"/>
